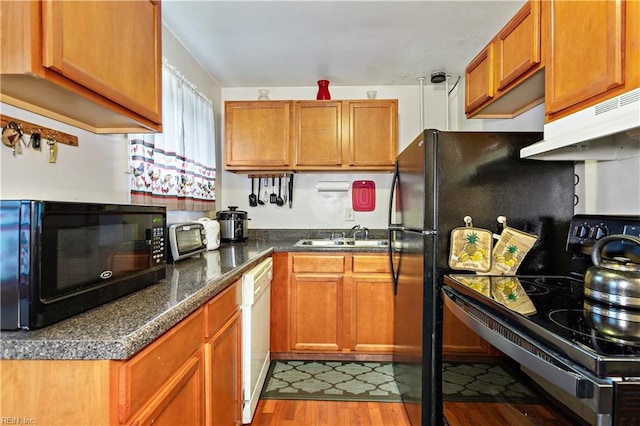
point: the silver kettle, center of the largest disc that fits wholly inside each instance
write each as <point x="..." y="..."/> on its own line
<point x="615" y="281"/>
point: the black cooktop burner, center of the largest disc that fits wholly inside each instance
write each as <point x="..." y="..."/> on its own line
<point x="548" y="281"/>
<point x="536" y="290"/>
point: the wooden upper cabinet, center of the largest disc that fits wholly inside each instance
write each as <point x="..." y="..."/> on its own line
<point x="594" y="53"/>
<point x="480" y="80"/>
<point x="109" y="49"/>
<point x="94" y="65"/>
<point x="346" y="135"/>
<point x="371" y="134"/>
<point x="505" y="78"/>
<point x="311" y="135"/>
<point x="518" y="45"/>
<point x="318" y="133"/>
<point x="257" y="135"/>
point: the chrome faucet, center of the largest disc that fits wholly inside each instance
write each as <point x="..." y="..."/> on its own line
<point x="358" y="229"/>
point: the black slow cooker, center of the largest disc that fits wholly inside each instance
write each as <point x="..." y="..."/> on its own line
<point x="233" y="225"/>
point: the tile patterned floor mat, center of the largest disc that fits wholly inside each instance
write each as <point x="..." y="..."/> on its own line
<point x="374" y="381"/>
<point x="331" y="380"/>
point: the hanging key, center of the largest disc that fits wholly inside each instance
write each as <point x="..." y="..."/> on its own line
<point x="35" y="138"/>
<point x="11" y="136"/>
<point x="53" y="148"/>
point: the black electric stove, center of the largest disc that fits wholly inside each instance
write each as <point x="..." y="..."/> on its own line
<point x="584" y="352"/>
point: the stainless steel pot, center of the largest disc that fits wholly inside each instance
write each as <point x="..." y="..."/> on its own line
<point x="615" y="280"/>
<point x="233" y="225"/>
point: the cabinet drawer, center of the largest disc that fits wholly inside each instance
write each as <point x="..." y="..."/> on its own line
<point x="143" y="375"/>
<point x="318" y="263"/>
<point x="368" y="263"/>
<point x="222" y="307"/>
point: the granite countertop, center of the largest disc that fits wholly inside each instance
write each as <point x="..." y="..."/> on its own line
<point x="119" y="329"/>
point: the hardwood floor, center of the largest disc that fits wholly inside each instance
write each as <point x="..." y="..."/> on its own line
<point x="480" y="414"/>
<point x="272" y="412"/>
<point x="338" y="413"/>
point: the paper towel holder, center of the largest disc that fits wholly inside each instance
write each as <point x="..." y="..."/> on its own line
<point x="332" y="186"/>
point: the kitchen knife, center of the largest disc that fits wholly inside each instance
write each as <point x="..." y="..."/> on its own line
<point x="290" y="190"/>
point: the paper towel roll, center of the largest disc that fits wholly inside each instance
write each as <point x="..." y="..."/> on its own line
<point x="333" y="186"/>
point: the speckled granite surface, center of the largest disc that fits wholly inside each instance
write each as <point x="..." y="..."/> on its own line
<point x="123" y="327"/>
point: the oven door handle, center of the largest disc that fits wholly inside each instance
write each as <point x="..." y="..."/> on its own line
<point x="517" y="348"/>
<point x="570" y="382"/>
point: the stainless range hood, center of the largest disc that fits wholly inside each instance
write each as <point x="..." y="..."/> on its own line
<point x="607" y="131"/>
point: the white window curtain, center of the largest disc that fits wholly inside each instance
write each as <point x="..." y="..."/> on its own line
<point x="176" y="168"/>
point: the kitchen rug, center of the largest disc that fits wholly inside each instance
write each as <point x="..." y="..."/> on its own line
<point x="331" y="380"/>
<point x="374" y="381"/>
<point x="479" y="382"/>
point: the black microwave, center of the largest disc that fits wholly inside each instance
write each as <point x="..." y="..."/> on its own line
<point x="58" y="259"/>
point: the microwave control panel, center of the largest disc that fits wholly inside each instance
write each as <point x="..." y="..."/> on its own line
<point x="157" y="245"/>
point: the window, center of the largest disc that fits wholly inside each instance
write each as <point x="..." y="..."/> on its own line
<point x="176" y="168"/>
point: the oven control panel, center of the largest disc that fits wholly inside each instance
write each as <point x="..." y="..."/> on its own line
<point x="585" y="230"/>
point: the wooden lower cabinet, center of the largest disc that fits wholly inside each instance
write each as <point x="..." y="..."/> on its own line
<point x="336" y="304"/>
<point x="191" y="375"/>
<point x="181" y="401"/>
<point x="224" y="375"/>
<point x="372" y="313"/>
<point x="317" y="312"/>
<point x="459" y="342"/>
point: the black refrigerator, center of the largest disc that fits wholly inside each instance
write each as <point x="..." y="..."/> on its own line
<point x="440" y="178"/>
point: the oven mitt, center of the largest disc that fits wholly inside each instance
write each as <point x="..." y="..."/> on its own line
<point x="509" y="292"/>
<point x="470" y="248"/>
<point x="511" y="248"/>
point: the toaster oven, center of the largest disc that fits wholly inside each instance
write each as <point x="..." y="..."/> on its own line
<point x="185" y="240"/>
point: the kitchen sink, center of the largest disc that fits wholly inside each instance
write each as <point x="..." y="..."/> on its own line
<point x="342" y="242"/>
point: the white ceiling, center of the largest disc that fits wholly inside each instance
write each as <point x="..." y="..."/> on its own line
<point x="350" y="43"/>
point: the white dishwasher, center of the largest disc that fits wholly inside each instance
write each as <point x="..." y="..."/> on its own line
<point x="256" y="323"/>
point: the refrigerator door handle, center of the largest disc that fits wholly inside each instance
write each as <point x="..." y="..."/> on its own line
<point x="394" y="273"/>
<point x="393" y="228"/>
<point x="394" y="183"/>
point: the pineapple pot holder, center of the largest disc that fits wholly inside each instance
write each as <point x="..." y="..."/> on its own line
<point x="511" y="248"/>
<point x="471" y="248"/>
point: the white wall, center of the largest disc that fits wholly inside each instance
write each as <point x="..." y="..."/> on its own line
<point x="94" y="171"/>
<point x="609" y="187"/>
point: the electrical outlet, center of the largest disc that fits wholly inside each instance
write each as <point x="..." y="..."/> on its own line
<point x="348" y="215"/>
